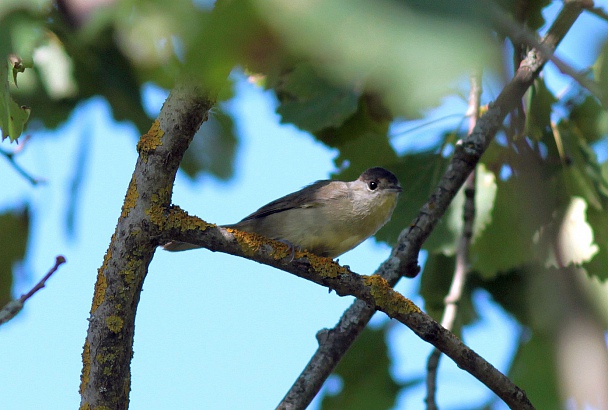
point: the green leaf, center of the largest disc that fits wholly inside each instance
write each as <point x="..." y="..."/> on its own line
<point x="382" y="44"/>
<point x="12" y="116"/>
<point x="531" y="11"/>
<point x="598" y="219"/>
<point x="509" y="289"/>
<point x="362" y="140"/>
<point x="581" y="174"/>
<point x="367" y="383"/>
<point x="533" y="369"/>
<point x="311" y="102"/>
<point x="600" y="69"/>
<point x="233" y="34"/>
<point x="434" y="287"/>
<point x="449" y="230"/>
<point x="589" y="119"/>
<point x="13" y="241"/>
<point x="212" y="149"/>
<point x="538" y="115"/>
<point x="507" y="241"/>
<point x="435" y="283"/>
<point x="116" y="82"/>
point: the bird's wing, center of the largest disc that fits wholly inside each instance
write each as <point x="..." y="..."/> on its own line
<point x="308" y="197"/>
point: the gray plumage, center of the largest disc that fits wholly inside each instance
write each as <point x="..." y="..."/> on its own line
<point x="327" y="217"/>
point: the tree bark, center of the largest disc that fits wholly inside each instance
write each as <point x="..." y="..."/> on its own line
<point x="108" y="348"/>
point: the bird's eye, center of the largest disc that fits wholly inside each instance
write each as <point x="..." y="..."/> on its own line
<point x="373" y="185"/>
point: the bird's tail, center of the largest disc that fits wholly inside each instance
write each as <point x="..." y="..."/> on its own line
<point x="177" y="246"/>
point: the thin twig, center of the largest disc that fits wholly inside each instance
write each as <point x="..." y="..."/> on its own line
<point x="424" y="124"/>
<point x="13" y="307"/>
<point x="598" y="11"/>
<point x="462" y="255"/>
<point x="59" y="260"/>
<point x="10" y="156"/>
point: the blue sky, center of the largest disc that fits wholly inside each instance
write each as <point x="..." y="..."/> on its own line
<point x="212" y="330"/>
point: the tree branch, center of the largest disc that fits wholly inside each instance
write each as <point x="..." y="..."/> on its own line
<point x="462" y="254"/>
<point x="404" y="256"/>
<point x="105" y="378"/>
<point x="13" y="307"/>
<point x="10" y="156"/>
<point x="600" y="12"/>
<point x="373" y="290"/>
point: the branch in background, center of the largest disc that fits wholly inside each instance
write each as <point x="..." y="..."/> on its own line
<point x="372" y="290"/>
<point x="462" y="254"/>
<point x="404" y="257"/>
<point x="520" y="34"/>
<point x="10" y="156"/>
<point x="12" y="308"/>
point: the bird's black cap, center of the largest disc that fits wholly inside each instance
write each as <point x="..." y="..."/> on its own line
<point x="379" y="173"/>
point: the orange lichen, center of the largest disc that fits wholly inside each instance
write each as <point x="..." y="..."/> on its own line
<point x="179" y="219"/>
<point x="158" y="210"/>
<point x="107" y="359"/>
<point x="100" y="288"/>
<point x="128" y="274"/>
<point x="249" y="243"/>
<point x="114" y="323"/>
<point x="387" y="298"/>
<point x="130" y="198"/>
<point x="325" y="266"/>
<point x="86" y="367"/>
<point x="281" y="250"/>
<point x="150" y="140"/>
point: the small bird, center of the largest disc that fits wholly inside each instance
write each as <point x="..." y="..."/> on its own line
<point x="326" y="217"/>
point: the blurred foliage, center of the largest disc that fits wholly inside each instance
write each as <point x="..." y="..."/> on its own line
<point x="445" y="236"/>
<point x="345" y="70"/>
<point x="534" y="361"/>
<point x="13" y="241"/>
<point x="12" y="116"/>
<point x="435" y="285"/>
<point x="311" y="102"/>
<point x="212" y="149"/>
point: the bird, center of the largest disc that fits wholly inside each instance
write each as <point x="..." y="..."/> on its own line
<point x="327" y="217"/>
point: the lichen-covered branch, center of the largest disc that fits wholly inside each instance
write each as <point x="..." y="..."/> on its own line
<point x="372" y="290"/>
<point x="108" y="348"/>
